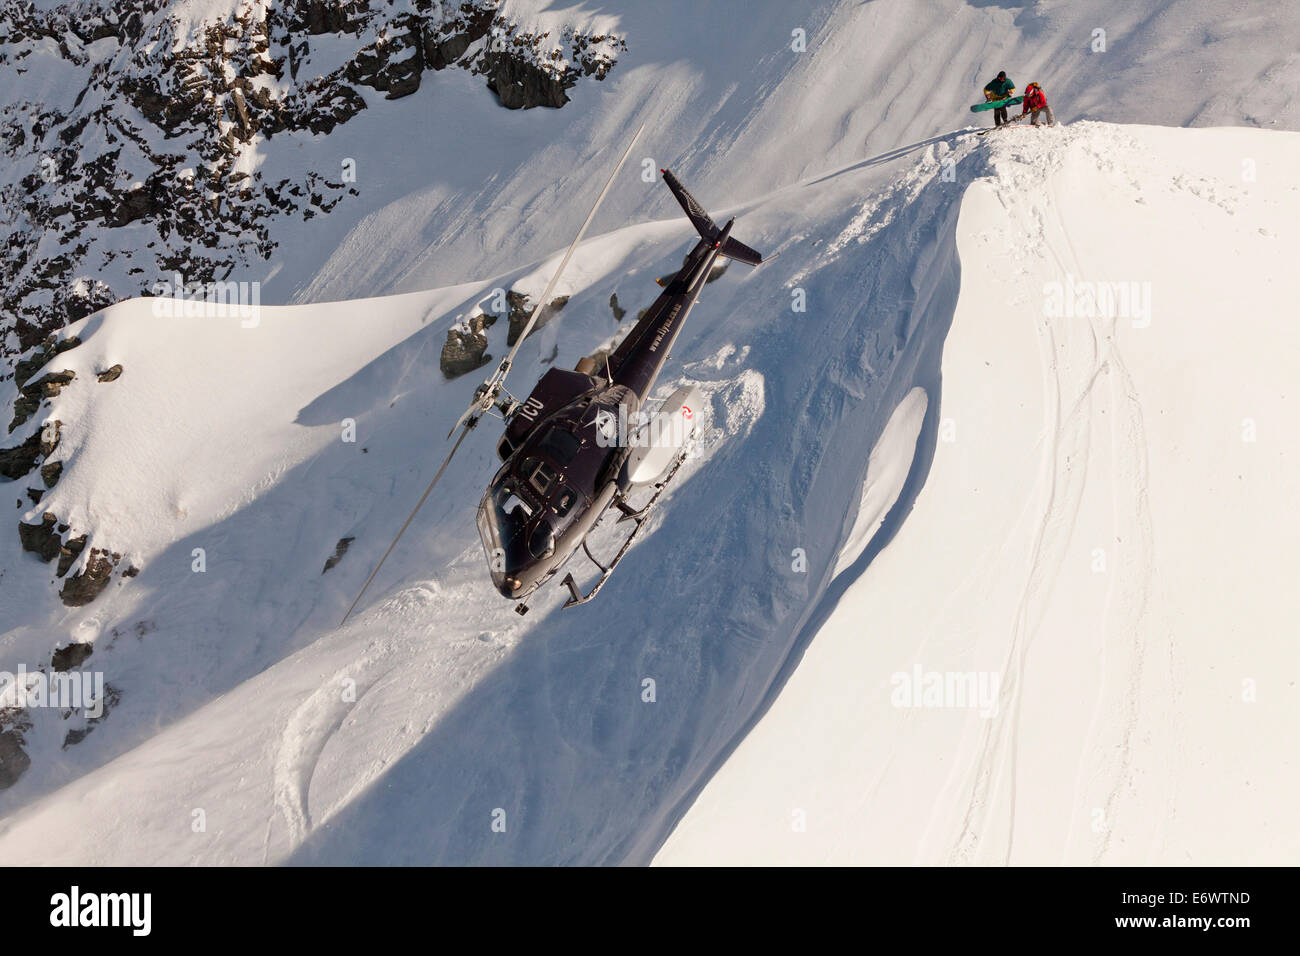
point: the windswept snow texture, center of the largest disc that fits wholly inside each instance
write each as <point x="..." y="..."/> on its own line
<point x="439" y="727"/>
<point x="1108" y="528"/>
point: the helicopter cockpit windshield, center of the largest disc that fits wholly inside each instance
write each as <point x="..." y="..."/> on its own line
<point x="515" y="531"/>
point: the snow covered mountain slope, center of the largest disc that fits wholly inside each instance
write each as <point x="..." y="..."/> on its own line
<point x="199" y="137"/>
<point x="456" y="714"/>
<point x="263" y="140"/>
<point x="797" y="88"/>
<point x="232" y="518"/>
<point x="1106" y="534"/>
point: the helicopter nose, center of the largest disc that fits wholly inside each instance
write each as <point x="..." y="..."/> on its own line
<point x="511" y="587"/>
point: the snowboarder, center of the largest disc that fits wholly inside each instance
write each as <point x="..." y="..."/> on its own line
<point x="1035" y="102"/>
<point x="1000" y="88"/>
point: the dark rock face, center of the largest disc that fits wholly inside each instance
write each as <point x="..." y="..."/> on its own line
<point x="69" y="553"/>
<point x="33" y="393"/>
<point x="320" y="17"/>
<point x="51" y="472"/>
<point x="207" y="94"/>
<point x="466" y="349"/>
<point x="41" y="539"/>
<point x="519" y="84"/>
<point x="74" y="655"/>
<point x="340" y="549"/>
<point x="522" y="80"/>
<point x="13" y="759"/>
<point x="520" y="310"/>
<point x="110" y="375"/>
<point x="19" y="460"/>
<point x="86" y="585"/>
<point x="40" y="355"/>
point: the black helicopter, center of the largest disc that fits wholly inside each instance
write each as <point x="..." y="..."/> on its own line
<point x="567" y="450"/>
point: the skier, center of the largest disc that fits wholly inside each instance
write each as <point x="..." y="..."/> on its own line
<point x="999" y="89"/>
<point x="1035" y="102"/>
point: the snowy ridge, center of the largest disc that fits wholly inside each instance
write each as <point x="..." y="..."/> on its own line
<point x="444" y="641"/>
<point x="1090" y="519"/>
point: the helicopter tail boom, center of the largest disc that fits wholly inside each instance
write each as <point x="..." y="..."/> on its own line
<point x="706" y="227"/>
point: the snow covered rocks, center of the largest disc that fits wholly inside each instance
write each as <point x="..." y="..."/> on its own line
<point x="169" y="138"/>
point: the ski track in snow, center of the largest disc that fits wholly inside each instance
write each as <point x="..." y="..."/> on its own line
<point x="1133" y="524"/>
<point x="306" y="734"/>
<point x="1063" y="472"/>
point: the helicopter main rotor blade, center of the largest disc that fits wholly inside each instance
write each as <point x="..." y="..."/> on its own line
<point x="550" y="286"/>
<point x="401" y="531"/>
<point x="486" y="394"/>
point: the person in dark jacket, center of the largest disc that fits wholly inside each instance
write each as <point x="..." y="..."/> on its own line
<point x="1035" y="102"/>
<point x="999" y="88"/>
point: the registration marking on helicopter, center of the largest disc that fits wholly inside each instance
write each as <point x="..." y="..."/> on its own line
<point x="663" y="329"/>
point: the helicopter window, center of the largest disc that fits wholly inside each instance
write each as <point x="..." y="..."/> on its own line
<point x="561" y="445"/>
<point x="542" y="541"/>
<point x="540" y="475"/>
<point x="564" y="501"/>
<point x="509" y="502"/>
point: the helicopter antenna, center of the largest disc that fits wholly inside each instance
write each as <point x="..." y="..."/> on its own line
<point x="486" y="395"/>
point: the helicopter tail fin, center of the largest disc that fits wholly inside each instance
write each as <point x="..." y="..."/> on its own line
<point x="706" y="227"/>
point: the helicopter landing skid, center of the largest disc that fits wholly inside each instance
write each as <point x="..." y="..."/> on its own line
<point x="638" y="516"/>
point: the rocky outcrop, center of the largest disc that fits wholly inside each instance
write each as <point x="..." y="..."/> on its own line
<point x="68" y="554"/>
<point x="45" y="540"/>
<point x="520" y="310"/>
<point x="21" y="459"/>
<point x="51" y="471"/>
<point x="40" y="355"/>
<point x="519" y="84"/>
<point x="340" y="549"/>
<point x="86" y="585"/>
<point x="41" y="539"/>
<point x="110" y="374"/>
<point x="158" y="139"/>
<point x="466" y="347"/>
<point x="74" y="655"/>
<point x="32" y="394"/>
<point x="523" y="79"/>
<point x="13" y="759"/>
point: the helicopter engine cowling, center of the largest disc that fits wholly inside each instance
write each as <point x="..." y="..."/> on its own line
<point x="657" y="443"/>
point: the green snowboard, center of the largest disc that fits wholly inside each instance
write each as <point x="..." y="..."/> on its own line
<point x="996" y="104"/>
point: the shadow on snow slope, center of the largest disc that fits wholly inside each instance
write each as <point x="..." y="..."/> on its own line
<point x="558" y="736"/>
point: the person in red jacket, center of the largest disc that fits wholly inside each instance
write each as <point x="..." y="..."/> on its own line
<point x="1034" y="103"/>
